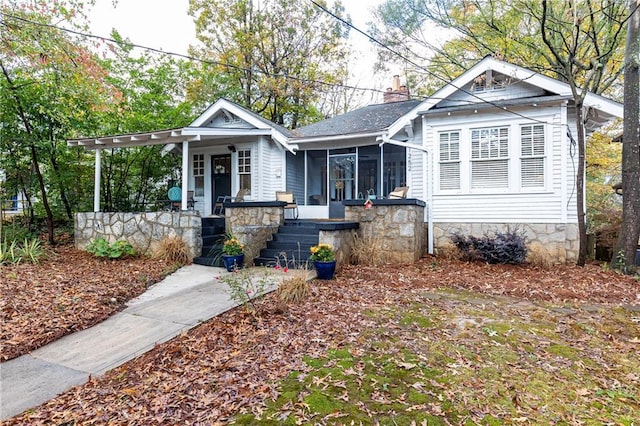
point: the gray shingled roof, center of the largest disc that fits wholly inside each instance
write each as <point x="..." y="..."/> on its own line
<point x="363" y="120"/>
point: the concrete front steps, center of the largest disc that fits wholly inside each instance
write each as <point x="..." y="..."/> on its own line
<point x="213" y="233"/>
<point x="290" y="245"/>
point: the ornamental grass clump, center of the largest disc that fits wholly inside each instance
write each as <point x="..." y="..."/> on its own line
<point x="232" y="245"/>
<point x="322" y="253"/>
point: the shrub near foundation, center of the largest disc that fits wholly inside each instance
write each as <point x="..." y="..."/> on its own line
<point x="367" y="251"/>
<point x="119" y="249"/>
<point x="501" y="247"/>
<point x="173" y="249"/>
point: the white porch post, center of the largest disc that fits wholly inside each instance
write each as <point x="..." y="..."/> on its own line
<point x="96" y="185"/>
<point x="185" y="174"/>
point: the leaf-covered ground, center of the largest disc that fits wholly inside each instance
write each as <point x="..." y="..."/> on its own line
<point x="68" y="291"/>
<point x="431" y="343"/>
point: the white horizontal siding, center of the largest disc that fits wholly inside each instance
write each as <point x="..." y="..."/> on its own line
<point x="548" y="205"/>
<point x="415" y="177"/>
<point x="268" y="168"/>
<point x="527" y="208"/>
<point x="416" y="165"/>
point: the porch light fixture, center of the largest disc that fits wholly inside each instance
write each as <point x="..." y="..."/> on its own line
<point x="232" y="148"/>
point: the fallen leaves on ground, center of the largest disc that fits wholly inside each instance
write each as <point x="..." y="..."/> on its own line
<point x="236" y="363"/>
<point x="69" y="291"/>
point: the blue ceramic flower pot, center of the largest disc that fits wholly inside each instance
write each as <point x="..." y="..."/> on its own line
<point x="232" y="262"/>
<point x="325" y="270"/>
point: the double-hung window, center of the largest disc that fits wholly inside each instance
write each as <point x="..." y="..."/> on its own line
<point x="450" y="160"/>
<point x="532" y="159"/>
<point x="198" y="175"/>
<point x="244" y="169"/>
<point x="490" y="158"/>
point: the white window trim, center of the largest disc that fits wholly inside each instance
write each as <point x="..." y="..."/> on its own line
<point x="544" y="157"/>
<point x="459" y="161"/>
<point x="203" y="168"/>
<point x="508" y="158"/>
<point x="239" y="173"/>
<point x="514" y="146"/>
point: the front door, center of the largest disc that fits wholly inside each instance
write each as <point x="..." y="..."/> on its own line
<point x="342" y="182"/>
<point x="221" y="179"/>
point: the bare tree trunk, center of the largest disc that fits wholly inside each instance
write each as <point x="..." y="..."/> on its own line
<point x="59" y="180"/>
<point x="630" y="228"/>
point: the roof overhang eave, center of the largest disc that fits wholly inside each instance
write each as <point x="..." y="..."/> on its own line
<point x="333" y="138"/>
<point x="534" y="101"/>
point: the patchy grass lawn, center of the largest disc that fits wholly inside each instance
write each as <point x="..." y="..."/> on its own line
<point x="453" y="357"/>
<point x="431" y="343"/>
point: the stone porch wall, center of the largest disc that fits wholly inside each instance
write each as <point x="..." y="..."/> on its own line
<point x="340" y="237"/>
<point x="253" y="223"/>
<point x="559" y="240"/>
<point x="141" y="230"/>
<point x="397" y="225"/>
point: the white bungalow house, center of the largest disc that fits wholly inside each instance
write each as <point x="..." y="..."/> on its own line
<point x="492" y="149"/>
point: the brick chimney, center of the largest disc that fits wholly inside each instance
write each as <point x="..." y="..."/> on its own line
<point x="396" y="92"/>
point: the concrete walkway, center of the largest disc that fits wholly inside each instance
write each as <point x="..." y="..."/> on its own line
<point x="179" y="302"/>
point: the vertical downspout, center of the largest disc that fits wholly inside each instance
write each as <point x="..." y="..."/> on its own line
<point x="96" y="184"/>
<point x="185" y="175"/>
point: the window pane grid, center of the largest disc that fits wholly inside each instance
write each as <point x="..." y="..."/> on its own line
<point x="244" y="162"/>
<point x="198" y="175"/>
<point x="490" y="143"/>
<point x="244" y="169"/>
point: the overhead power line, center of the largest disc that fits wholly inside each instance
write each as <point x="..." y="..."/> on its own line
<point x="426" y="70"/>
<point x="191" y="58"/>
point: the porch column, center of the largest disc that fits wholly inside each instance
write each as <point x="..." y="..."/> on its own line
<point x="185" y="174"/>
<point x="96" y="185"/>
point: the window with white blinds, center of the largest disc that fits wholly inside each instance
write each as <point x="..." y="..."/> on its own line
<point x="450" y="160"/>
<point x="490" y="158"/>
<point x="532" y="158"/>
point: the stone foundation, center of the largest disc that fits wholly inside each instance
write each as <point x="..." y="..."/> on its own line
<point x="396" y="225"/>
<point x="253" y="223"/>
<point x="340" y="237"/>
<point x="141" y="230"/>
<point x="560" y="240"/>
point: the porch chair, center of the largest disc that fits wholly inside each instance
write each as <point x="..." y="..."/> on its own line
<point x="175" y="196"/>
<point x="219" y="207"/>
<point x="175" y="199"/>
<point x="399" y="192"/>
<point x="287" y="197"/>
<point x="191" y="202"/>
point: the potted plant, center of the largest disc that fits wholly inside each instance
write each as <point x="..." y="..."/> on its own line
<point x="324" y="260"/>
<point x="232" y="253"/>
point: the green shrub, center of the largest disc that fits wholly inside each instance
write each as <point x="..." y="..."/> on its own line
<point x="30" y="250"/>
<point x="101" y="248"/>
<point x="245" y="287"/>
<point x="502" y="247"/>
<point x="9" y="252"/>
<point x="173" y="249"/>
